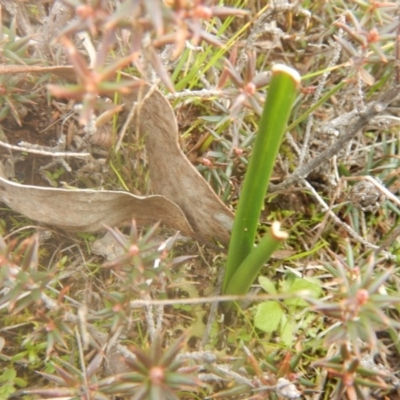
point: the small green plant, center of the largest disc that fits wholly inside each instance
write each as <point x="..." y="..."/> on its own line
<point x="8" y="383"/>
<point x="358" y="304"/>
<point x="244" y="260"/>
<point x="153" y="375"/>
<point x="53" y="176"/>
<point x="21" y="276"/>
<point x="157" y="373"/>
<point x="286" y="316"/>
<point x="358" y="307"/>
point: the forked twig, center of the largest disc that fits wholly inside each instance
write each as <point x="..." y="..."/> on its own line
<point x="372" y="110"/>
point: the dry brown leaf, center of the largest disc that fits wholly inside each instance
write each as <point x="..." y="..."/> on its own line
<point x="185" y="195"/>
<point x="89" y="210"/>
<point x="172" y="174"/>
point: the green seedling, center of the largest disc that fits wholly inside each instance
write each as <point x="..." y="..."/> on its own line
<point x="287" y="316"/>
<point x="244" y="260"/>
<point x="9" y="381"/>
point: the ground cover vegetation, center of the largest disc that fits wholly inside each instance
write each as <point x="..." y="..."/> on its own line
<point x="199" y="199"/>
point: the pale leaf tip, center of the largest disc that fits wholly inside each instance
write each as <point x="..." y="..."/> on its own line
<point x="276" y="231"/>
<point x="294" y="74"/>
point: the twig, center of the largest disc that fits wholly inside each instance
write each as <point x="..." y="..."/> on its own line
<point x="226" y="370"/>
<point x="88" y="45"/>
<point x="134" y="111"/>
<point x="150" y="320"/>
<point x="346" y="227"/>
<point x="317" y="95"/>
<point x="41" y="152"/>
<point x="195" y="93"/>
<point x="134" y="304"/>
<point x="372" y="110"/>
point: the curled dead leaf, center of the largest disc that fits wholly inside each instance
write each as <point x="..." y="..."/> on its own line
<point x="182" y="198"/>
<point x="89" y="210"/>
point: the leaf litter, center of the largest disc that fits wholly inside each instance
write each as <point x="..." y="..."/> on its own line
<point x="181" y="198"/>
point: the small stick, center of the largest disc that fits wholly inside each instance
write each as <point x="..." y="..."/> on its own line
<point x="346" y="227"/>
<point x="373" y="109"/>
<point x="43" y="152"/>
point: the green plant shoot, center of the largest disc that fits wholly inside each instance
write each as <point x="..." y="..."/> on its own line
<point x="247" y="272"/>
<point x="281" y="95"/>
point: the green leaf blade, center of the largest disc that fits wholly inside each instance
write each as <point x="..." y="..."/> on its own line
<point x="281" y="95"/>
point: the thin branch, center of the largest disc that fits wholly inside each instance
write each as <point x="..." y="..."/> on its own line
<point x="339" y="222"/>
<point x="38" y="150"/>
<point x="372" y="110"/>
<point x="134" y="304"/>
<point x="322" y="82"/>
<point x="203" y="93"/>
